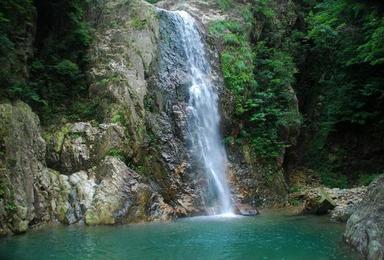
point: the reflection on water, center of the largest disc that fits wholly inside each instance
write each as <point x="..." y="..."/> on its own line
<point x="267" y="236"/>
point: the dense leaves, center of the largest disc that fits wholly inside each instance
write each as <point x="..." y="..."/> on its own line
<point x="16" y="21"/>
<point x="343" y="78"/>
<point x="260" y="75"/>
<point x="54" y="77"/>
<point x="330" y="53"/>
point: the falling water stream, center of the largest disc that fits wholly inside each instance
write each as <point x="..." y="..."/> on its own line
<point x="204" y="116"/>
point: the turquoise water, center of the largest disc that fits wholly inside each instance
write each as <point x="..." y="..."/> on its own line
<point x="267" y="236"/>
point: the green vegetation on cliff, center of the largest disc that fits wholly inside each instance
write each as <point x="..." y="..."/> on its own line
<point x="51" y="76"/>
<point x="259" y="71"/>
<point x="328" y="54"/>
<point x="342" y="86"/>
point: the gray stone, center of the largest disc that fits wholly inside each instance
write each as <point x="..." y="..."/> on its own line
<point x="365" y="228"/>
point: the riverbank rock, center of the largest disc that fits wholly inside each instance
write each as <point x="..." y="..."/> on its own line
<point x="365" y="228"/>
<point x="246" y="210"/>
<point x="340" y="204"/>
<point x="318" y="203"/>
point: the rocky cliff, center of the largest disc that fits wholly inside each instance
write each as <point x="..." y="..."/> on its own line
<point x="133" y="164"/>
<point x="365" y="228"/>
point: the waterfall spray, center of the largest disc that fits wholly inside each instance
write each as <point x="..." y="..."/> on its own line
<point x="204" y="116"/>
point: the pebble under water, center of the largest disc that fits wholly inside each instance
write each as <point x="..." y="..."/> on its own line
<point x="267" y="236"/>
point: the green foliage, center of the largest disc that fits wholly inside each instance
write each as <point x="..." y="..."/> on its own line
<point x="295" y="202"/>
<point x="333" y="179"/>
<point x="344" y="68"/>
<point x="117" y="153"/>
<point x="348" y="36"/>
<point x="16" y="19"/>
<point x="366" y="179"/>
<point x="294" y="189"/>
<point x="260" y="76"/>
<point x="138" y="24"/>
<point x="10" y="207"/>
<point x="83" y="109"/>
<point x="56" y="77"/>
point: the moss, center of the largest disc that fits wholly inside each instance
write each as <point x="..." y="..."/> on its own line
<point x="138" y="24"/>
<point x="57" y="137"/>
<point x="118" y="118"/>
<point x="116" y="152"/>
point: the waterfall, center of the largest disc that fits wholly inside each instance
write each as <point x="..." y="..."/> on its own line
<point x="204" y="118"/>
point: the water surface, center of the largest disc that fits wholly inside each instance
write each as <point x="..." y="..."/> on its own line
<point x="267" y="236"/>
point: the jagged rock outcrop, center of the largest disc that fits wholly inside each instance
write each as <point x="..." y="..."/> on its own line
<point x="122" y="196"/>
<point x="365" y="228"/>
<point x="30" y="192"/>
<point x="95" y="188"/>
<point x="80" y="145"/>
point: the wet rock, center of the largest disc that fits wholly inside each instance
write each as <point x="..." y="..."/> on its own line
<point x="341" y="213"/>
<point x="114" y="195"/>
<point x="253" y="183"/>
<point x="365" y="228"/>
<point x="347" y="201"/>
<point x="206" y="11"/>
<point x="246" y="210"/>
<point x="34" y="194"/>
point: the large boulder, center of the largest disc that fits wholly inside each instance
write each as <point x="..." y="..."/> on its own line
<point x="347" y="201"/>
<point x="365" y="228"/>
<point x="30" y="193"/>
<point x="122" y="197"/>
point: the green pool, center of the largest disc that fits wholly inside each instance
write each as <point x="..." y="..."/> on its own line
<point x="267" y="236"/>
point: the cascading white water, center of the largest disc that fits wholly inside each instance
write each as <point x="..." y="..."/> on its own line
<point x="204" y="115"/>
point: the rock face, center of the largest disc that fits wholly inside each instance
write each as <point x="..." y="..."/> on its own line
<point x="138" y="68"/>
<point x="79" y="146"/>
<point x="28" y="186"/>
<point x="95" y="188"/>
<point x="122" y="197"/>
<point x="365" y="228"/>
